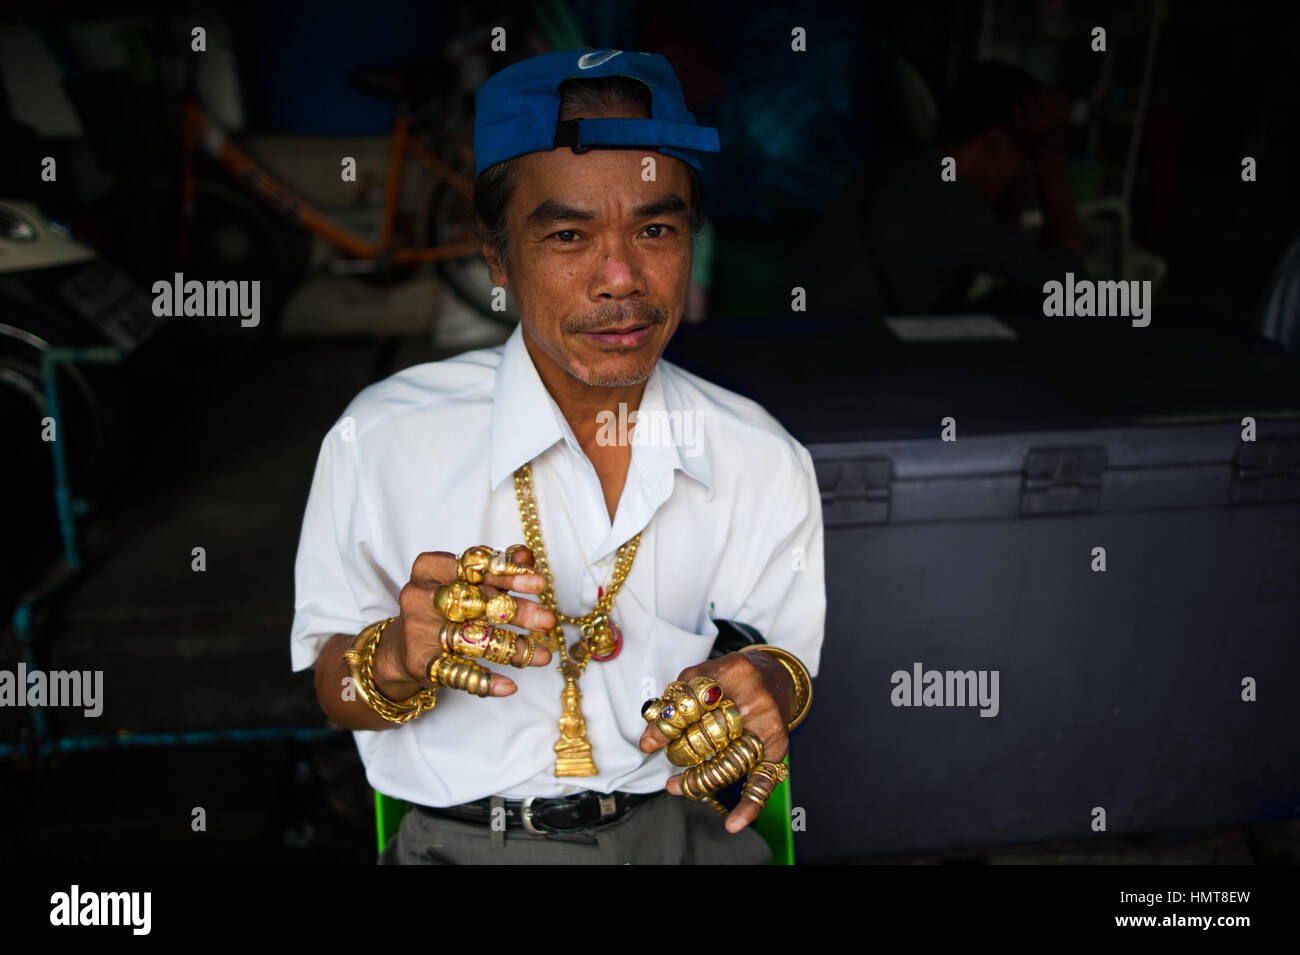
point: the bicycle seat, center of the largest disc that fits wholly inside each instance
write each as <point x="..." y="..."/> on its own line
<point x="410" y="81"/>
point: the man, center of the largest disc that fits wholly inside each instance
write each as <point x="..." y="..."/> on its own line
<point x="923" y="232"/>
<point x="648" y="538"/>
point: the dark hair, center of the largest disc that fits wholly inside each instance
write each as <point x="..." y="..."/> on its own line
<point x="580" y="97"/>
<point x="983" y="98"/>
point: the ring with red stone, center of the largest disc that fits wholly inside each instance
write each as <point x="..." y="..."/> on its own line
<point x="707" y="690"/>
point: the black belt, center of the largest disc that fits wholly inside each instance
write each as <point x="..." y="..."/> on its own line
<point x="540" y="816"/>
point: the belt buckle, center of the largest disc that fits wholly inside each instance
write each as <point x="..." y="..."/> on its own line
<point x="526" y="817"/>
<point x="608" y="804"/>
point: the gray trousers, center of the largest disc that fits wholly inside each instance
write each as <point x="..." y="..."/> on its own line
<point x="665" y="830"/>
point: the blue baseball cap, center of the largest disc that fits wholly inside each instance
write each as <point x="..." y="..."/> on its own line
<point x="517" y="110"/>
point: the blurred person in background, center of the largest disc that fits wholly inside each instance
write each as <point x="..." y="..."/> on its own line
<point x="911" y="238"/>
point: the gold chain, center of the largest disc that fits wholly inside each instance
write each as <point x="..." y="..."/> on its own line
<point x="573" y="749"/>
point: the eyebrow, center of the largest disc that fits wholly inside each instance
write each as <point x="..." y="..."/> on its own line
<point x="553" y="210"/>
<point x="661" y="206"/>
<point x="550" y="211"/>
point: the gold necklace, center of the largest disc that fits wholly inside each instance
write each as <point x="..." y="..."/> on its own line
<point x="572" y="749"/>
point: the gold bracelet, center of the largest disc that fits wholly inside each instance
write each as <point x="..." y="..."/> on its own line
<point x="360" y="658"/>
<point x="798" y="673"/>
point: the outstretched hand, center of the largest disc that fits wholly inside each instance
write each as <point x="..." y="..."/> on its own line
<point x="765" y="695"/>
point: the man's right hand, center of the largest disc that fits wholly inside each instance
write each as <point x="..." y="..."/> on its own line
<point x="410" y="643"/>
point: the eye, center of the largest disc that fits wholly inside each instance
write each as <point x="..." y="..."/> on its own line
<point x="662" y="230"/>
<point x="565" y="235"/>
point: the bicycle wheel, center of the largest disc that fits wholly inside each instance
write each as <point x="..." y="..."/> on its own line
<point x="230" y="238"/>
<point x="89" y="393"/>
<point x="449" y="221"/>
<point x="88" y="427"/>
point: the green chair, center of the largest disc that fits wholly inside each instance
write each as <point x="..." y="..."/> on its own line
<point x="773" y="823"/>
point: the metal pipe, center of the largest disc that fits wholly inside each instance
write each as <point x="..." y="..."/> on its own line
<point x="81" y="744"/>
<point x="1140" y="114"/>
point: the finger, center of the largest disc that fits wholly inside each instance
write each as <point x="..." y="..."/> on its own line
<point x="533" y="583"/>
<point x="652" y="740"/>
<point x="738" y="819"/>
<point x="742" y="816"/>
<point x="760" y="716"/>
<point x="529" y="614"/>
<point x="541" y="655"/>
<point x="521" y="583"/>
<point x="776" y="745"/>
<point x="432" y="569"/>
<point x="498" y="685"/>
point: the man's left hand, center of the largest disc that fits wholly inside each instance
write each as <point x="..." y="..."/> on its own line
<point x="765" y="695"/>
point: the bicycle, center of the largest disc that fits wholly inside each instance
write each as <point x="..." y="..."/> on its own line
<point x="208" y="218"/>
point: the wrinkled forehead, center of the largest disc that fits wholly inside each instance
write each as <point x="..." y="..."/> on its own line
<point x="619" y="181"/>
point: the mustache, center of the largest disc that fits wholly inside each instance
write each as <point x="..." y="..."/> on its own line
<point x="642" y="313"/>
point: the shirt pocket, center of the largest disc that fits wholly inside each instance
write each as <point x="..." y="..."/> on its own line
<point x="647" y="664"/>
<point x="672" y="650"/>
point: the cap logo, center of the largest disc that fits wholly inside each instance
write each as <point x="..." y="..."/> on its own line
<point x="588" y="60"/>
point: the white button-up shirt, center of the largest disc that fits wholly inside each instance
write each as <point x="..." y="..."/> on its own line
<point x="726" y="502"/>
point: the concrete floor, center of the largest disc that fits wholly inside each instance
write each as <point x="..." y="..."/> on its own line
<point x="227" y="466"/>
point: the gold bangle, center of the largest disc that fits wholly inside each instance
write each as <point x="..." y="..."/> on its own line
<point x="360" y="658"/>
<point x="798" y="673"/>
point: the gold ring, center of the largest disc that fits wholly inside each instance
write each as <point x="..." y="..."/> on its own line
<point x="763" y="779"/>
<point x="529" y="653"/>
<point x="457" y="673"/>
<point x="478" y="638"/>
<point x="459" y="601"/>
<point x="501" y="608"/>
<point x="501" y="645"/>
<point x="481" y="560"/>
<point x="724" y="768"/>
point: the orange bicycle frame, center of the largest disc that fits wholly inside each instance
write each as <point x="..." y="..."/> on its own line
<point x="198" y="129"/>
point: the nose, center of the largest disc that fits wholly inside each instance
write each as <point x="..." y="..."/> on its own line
<point x="616" y="272"/>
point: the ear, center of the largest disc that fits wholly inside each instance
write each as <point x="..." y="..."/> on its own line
<point x="495" y="270"/>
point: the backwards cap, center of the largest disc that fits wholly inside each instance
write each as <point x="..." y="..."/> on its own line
<point x="517" y="110"/>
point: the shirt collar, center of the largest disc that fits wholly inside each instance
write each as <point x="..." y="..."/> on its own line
<point x="526" y="421"/>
